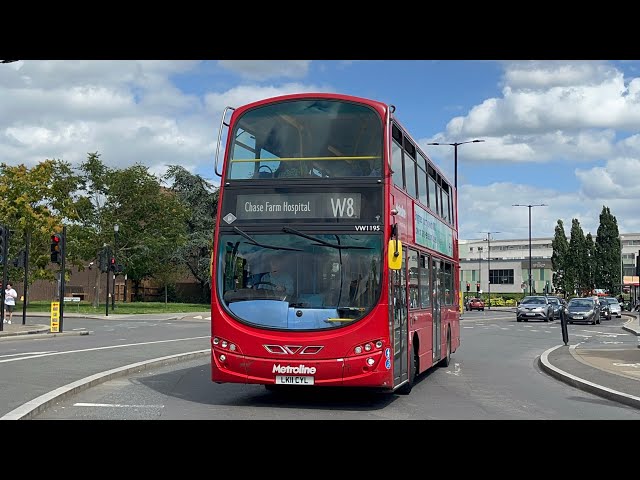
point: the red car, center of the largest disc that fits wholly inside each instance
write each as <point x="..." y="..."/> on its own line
<point x="475" y="304"/>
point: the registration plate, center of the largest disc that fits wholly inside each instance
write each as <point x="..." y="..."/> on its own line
<point x="577" y="317"/>
<point x="293" y="380"/>
<point x="531" y="314"/>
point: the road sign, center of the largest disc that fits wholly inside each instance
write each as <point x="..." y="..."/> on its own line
<point x="71" y="299"/>
<point x="55" y="317"/>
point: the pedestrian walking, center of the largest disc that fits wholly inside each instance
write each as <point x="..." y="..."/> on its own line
<point x="10" y="296"/>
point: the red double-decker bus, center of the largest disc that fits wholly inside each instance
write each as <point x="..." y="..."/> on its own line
<point x="335" y="258"/>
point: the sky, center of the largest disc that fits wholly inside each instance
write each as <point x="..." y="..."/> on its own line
<point x="561" y="133"/>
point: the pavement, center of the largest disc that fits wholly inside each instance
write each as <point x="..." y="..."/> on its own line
<point x="612" y="373"/>
<point x="43" y="327"/>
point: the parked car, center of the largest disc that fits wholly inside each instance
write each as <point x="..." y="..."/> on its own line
<point x="557" y="304"/>
<point x="585" y="310"/>
<point x="614" y="306"/>
<point x="475" y="304"/>
<point x="534" y="308"/>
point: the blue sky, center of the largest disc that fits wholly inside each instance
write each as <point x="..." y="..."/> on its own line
<point x="564" y="133"/>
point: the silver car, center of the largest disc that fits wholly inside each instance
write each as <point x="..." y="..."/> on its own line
<point x="534" y="308"/>
<point x="614" y="306"/>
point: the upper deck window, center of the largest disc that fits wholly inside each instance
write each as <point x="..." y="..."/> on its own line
<point x="307" y="138"/>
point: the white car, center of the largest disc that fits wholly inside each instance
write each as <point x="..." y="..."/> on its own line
<point x="614" y="306"/>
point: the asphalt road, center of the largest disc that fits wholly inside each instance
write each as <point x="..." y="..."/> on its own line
<point x="494" y="375"/>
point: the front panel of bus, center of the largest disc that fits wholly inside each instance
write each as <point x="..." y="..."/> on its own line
<point x="298" y="268"/>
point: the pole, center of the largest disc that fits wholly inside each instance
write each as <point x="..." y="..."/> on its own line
<point x="125" y="288"/>
<point x="530" y="264"/>
<point x="107" y="302"/>
<point x="26" y="276"/>
<point x="489" y="267"/>
<point x="5" y="239"/>
<point x="115" y="257"/>
<point x="621" y="268"/>
<point x="455" y="167"/>
<point x="62" y="283"/>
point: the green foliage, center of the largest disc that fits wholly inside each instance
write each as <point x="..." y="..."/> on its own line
<point x="200" y="199"/>
<point x="559" y="258"/>
<point x="608" y="251"/>
<point x="36" y="202"/>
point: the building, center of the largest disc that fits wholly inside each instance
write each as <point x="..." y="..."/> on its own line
<point x="506" y="262"/>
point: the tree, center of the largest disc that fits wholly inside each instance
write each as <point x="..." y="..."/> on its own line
<point x="608" y="251"/>
<point x="151" y="220"/>
<point x="587" y="273"/>
<point x="559" y="259"/>
<point x="576" y="257"/>
<point x="200" y="199"/>
<point x="38" y="201"/>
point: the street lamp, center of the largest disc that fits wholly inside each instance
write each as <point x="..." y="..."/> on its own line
<point x="488" y="240"/>
<point x="529" y="207"/>
<point x="621" y="267"/>
<point x="116" y="228"/>
<point x="455" y="160"/>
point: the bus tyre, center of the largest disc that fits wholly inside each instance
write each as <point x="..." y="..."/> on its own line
<point x="413" y="365"/>
<point x="447" y="358"/>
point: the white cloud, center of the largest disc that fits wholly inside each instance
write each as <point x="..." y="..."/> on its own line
<point x="485" y="209"/>
<point x="216" y="102"/>
<point x="550" y="96"/>
<point x="267" y="69"/>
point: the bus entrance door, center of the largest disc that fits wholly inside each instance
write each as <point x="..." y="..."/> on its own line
<point x="437" y="314"/>
<point x="400" y="328"/>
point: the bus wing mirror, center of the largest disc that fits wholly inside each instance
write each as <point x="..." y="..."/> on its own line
<point x="393" y="253"/>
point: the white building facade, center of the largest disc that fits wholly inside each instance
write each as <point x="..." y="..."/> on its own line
<point x="506" y="263"/>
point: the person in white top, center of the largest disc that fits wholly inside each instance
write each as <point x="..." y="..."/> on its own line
<point x="10" y="296"/>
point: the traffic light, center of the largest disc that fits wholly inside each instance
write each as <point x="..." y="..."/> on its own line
<point x="546" y="287"/>
<point x="112" y="264"/>
<point x="478" y="287"/>
<point x="19" y="261"/>
<point x="56" y="247"/>
<point x="468" y="286"/>
<point x="3" y="243"/>
<point x="119" y="268"/>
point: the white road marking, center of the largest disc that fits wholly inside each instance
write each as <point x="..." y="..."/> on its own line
<point x="114" y="405"/>
<point x="199" y="317"/>
<point x="99" y="348"/>
<point x="25" y="353"/>
<point x="534" y="330"/>
<point x="467" y="327"/>
<point x="456" y="370"/>
<point x="634" y="365"/>
<point x="613" y="342"/>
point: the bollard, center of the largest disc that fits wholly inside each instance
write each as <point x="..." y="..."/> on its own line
<point x="563" y="324"/>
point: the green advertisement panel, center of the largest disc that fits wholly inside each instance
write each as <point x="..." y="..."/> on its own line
<point x="432" y="233"/>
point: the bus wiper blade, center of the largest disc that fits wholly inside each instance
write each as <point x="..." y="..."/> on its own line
<point x="257" y="244"/>
<point x="320" y="241"/>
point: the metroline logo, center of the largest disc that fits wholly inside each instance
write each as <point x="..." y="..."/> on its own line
<point x="301" y="369"/>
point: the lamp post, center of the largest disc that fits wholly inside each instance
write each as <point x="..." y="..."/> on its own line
<point x="529" y="207"/>
<point x="621" y="267"/>
<point x="488" y="240"/>
<point x="116" y="228"/>
<point x="455" y="160"/>
<point x="479" y="265"/>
